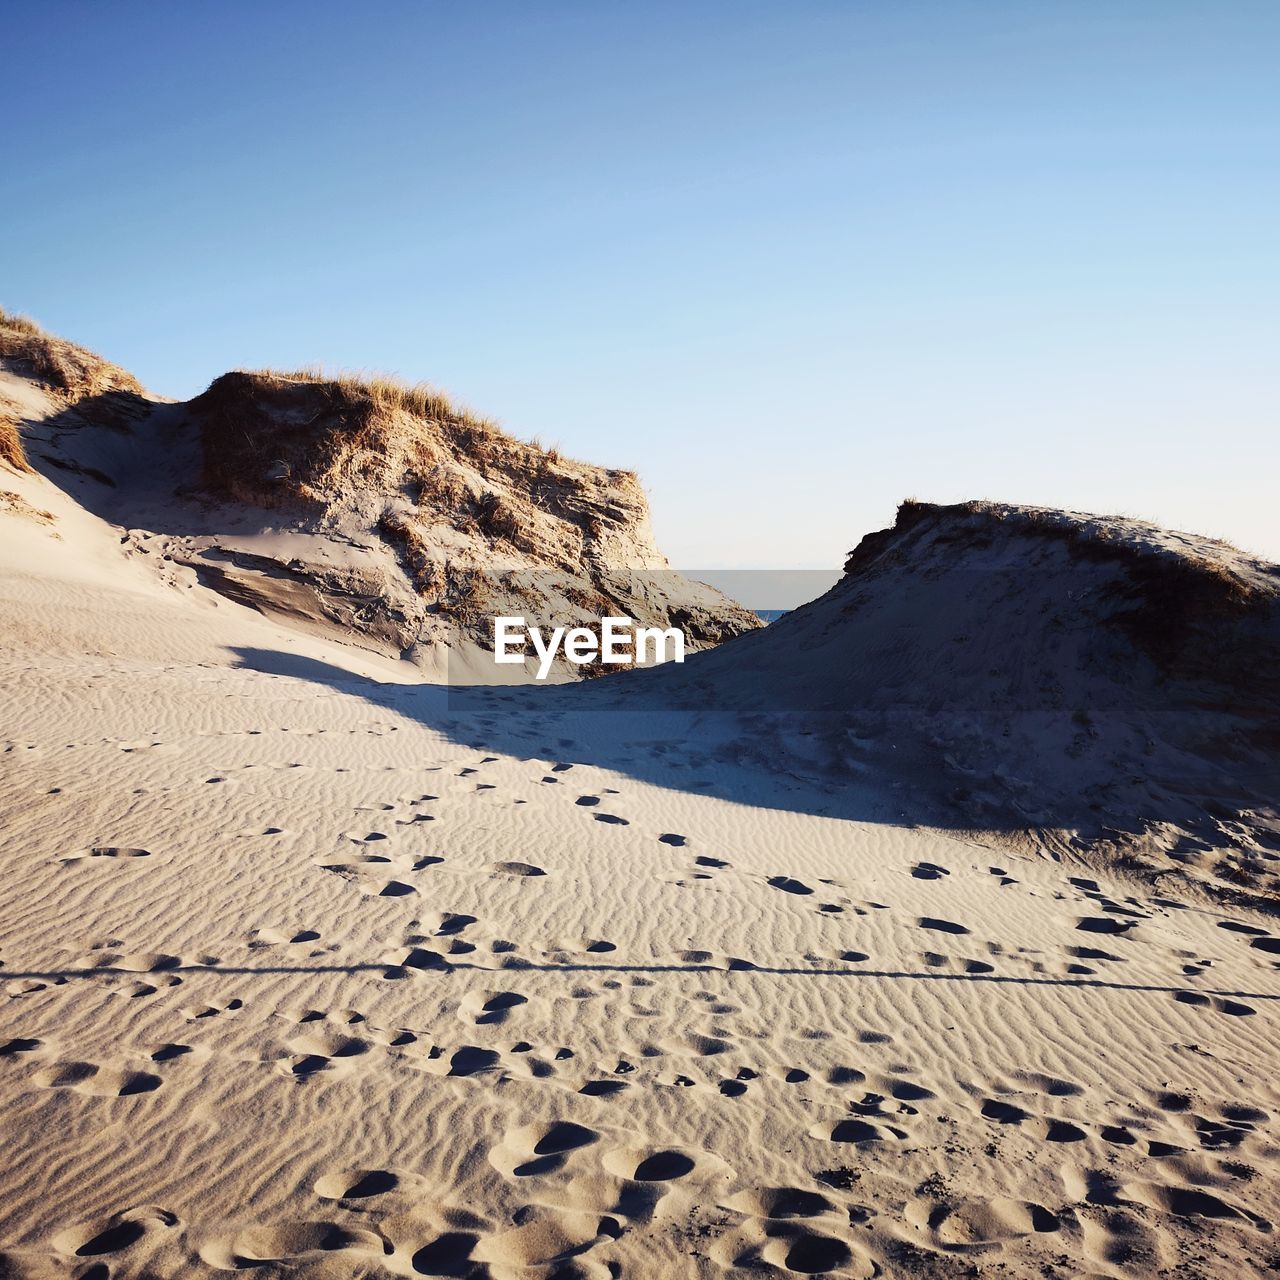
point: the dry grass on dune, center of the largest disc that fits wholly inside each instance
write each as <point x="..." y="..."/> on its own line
<point x="66" y="369"/>
<point x="312" y="439"/>
<point x="15" y="504"/>
<point x="1184" y="595"/>
<point x="1103" y="538"/>
<point x="12" y="454"/>
<point x="457" y="591"/>
<point x="385" y="392"/>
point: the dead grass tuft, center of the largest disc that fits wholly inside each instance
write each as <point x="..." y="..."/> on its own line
<point x="12" y="454"/>
<point x="15" y="504"/>
<point x="380" y="391"/>
<point x="425" y="570"/>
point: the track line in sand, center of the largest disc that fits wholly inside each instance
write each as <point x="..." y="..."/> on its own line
<point x="742" y="967"/>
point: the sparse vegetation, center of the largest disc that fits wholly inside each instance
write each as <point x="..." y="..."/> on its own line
<point x="425" y="571"/>
<point x="315" y="441"/>
<point x="496" y="518"/>
<point x="1090" y="537"/>
<point x="67" y="370"/>
<point x="385" y="392"/>
<point x="1169" y="597"/>
<point x="12" y="454"/>
<point x="15" y="504"/>
<point x="466" y="598"/>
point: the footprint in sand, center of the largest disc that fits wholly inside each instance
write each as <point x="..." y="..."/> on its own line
<point x="539" y="1243"/>
<point x="194" y="1012"/>
<point x="289" y="1242"/>
<point x="354" y="873"/>
<point x="929" y="871"/>
<point x="472" y="1060"/>
<point x="789" y="1246"/>
<point x="941" y="926"/>
<point x="513" y="869"/>
<point x="539" y="1149"/>
<point x="1062" y="1131"/>
<point x="876" y="1104"/>
<point x="420" y="958"/>
<point x="172" y="1052"/>
<point x="396" y="889"/>
<point x="281" y="937"/>
<point x="636" y="1163"/>
<point x="1004" y="1112"/>
<point x="960" y="1223"/>
<point x="103" y="1082"/>
<point x="359" y="1184"/>
<point x="105" y="1237"/>
<point x="20" y="1044"/>
<point x="858" y="1131"/>
<point x="842" y="1074"/>
<point x="907" y="1091"/>
<point x="1105" y="924"/>
<point x="489" y="1008"/>
<point x="788" y="884"/>
<point x="562" y="951"/>
<point x="139" y="989"/>
<point x="780" y="1202"/>
<point x="602" y="1088"/>
<point x="322" y="1049"/>
<point x="936" y="960"/>
<point x="449" y="1254"/>
<point x="140" y="962"/>
<point x="1092" y="953"/>
<point x="1052" y="1086"/>
<point x="108" y="851"/>
<point x="1235" y="926"/>
<point x="1117" y="1135"/>
<point x="1235" y="1008"/>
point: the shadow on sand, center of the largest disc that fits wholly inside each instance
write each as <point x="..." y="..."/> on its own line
<point x="396" y="972"/>
<point x="667" y="732"/>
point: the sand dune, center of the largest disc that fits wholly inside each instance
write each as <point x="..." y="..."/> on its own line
<point x="360" y="509"/>
<point x="997" y="667"/>
<point x="314" y="969"/>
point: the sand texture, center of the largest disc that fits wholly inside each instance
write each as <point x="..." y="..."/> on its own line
<point x="313" y="968"/>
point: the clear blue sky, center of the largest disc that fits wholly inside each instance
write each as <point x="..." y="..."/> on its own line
<point x="792" y="262"/>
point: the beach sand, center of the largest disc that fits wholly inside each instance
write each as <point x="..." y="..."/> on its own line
<point x="313" y="969"/>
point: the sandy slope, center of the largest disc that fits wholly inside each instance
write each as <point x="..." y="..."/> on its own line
<point x="312" y="970"/>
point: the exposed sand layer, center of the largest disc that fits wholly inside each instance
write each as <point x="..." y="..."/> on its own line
<point x="312" y="970"/>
